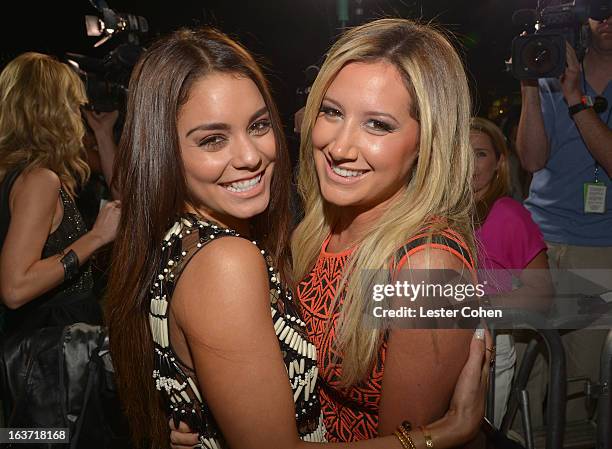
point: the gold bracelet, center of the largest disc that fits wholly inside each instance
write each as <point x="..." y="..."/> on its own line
<point x="428" y="441"/>
<point x="402" y="439"/>
<point x="404" y="428"/>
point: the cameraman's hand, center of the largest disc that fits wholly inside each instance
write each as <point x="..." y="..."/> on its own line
<point x="101" y="123"/>
<point x="570" y="80"/>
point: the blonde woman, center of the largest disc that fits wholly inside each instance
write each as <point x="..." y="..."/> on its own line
<point x="385" y="172"/>
<point x="497" y="217"/>
<point x="45" y="279"/>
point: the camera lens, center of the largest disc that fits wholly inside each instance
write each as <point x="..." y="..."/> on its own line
<point x="540" y="55"/>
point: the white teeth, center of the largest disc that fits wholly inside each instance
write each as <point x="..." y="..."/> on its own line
<point x="243" y="186"/>
<point x="346" y="173"/>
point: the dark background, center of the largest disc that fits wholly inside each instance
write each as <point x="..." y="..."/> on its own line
<point x="288" y="34"/>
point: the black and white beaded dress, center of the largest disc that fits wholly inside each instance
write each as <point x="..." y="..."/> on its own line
<point x="177" y="382"/>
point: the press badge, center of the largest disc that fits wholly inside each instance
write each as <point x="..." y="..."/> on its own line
<point x="594" y="198"/>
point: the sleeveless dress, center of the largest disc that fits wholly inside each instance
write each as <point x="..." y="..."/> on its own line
<point x="352" y="414"/>
<point x="177" y="382"/>
<point x="70" y="302"/>
<point x="45" y="366"/>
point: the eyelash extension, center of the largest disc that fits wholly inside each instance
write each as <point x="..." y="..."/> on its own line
<point x="327" y="110"/>
<point x="266" y="122"/>
<point x="212" y="141"/>
<point x="382" y="125"/>
<point x="330" y="111"/>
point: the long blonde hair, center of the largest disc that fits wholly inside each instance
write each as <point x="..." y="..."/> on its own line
<point x="40" y="123"/>
<point x="439" y="185"/>
<point x="500" y="185"/>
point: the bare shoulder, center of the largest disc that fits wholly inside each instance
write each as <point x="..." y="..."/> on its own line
<point x="231" y="254"/>
<point x="39" y="181"/>
<point x="40" y="177"/>
<point x="227" y="269"/>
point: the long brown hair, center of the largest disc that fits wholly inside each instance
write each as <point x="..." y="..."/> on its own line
<point x="500" y="185"/>
<point x="151" y="179"/>
<point x="40" y="123"/>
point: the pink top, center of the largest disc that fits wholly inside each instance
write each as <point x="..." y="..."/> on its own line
<point x="508" y="239"/>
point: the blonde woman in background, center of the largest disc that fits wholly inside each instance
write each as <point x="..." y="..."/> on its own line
<point x="509" y="243"/>
<point x="385" y="176"/>
<point x="45" y="279"/>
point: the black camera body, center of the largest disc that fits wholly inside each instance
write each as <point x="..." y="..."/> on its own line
<point x="104" y="95"/>
<point x="542" y="54"/>
<point x="106" y="79"/>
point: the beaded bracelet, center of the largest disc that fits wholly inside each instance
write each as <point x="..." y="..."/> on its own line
<point x="70" y="262"/>
<point x="400" y="436"/>
<point x="405" y="438"/>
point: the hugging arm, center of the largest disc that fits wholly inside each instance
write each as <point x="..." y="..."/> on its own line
<point x="222" y="307"/>
<point x="421" y="365"/>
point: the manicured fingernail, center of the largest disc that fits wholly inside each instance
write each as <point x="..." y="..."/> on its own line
<point x="479" y="333"/>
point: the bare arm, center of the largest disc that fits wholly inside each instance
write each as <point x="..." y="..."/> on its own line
<point x="532" y="143"/>
<point x="536" y="291"/>
<point x="597" y="137"/>
<point x="102" y="125"/>
<point x="222" y="306"/>
<point x="33" y="201"/>
<point x="595" y="133"/>
<point x="422" y="365"/>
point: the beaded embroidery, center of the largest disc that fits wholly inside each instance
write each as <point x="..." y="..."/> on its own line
<point x="176" y="382"/>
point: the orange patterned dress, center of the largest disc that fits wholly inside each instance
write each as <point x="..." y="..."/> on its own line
<point x="352" y="414"/>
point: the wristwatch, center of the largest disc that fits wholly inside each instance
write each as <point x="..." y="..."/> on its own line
<point x="585" y="103"/>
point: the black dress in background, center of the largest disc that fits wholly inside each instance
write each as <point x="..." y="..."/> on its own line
<point x="53" y="371"/>
<point x="70" y="302"/>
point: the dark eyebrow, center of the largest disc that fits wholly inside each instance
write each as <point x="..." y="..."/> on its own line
<point x="224" y="126"/>
<point x="209" y="127"/>
<point x="261" y="111"/>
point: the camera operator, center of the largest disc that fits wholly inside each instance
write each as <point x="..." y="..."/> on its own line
<point x="566" y="142"/>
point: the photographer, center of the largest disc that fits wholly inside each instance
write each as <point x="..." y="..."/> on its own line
<point x="566" y="143"/>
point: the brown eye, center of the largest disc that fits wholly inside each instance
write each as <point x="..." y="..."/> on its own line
<point x="260" y="127"/>
<point x="212" y="142"/>
<point x="330" y="112"/>
<point x="378" y="125"/>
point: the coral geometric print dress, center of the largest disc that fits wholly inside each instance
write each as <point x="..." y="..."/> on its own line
<point x="351" y="414"/>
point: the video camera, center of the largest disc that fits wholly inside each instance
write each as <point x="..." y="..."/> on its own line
<point x="542" y="54"/>
<point x="106" y="79"/>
